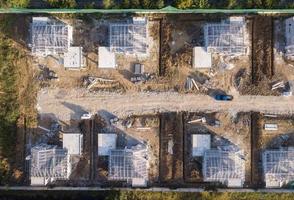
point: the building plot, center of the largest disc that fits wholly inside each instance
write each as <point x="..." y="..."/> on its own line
<point x="272" y="147"/>
<point x="227" y="37"/>
<point x="283" y="51"/>
<point x="225" y="167"/>
<point x="278" y="167"/>
<point x="79" y="54"/>
<point x="55" y="154"/>
<point x="130" y="165"/>
<point x="117" y="58"/>
<point x="130" y="37"/>
<point x="217" y="149"/>
<point x="206" y="55"/>
<point x="50" y="36"/>
<point x="128" y="150"/>
<point x="48" y="164"/>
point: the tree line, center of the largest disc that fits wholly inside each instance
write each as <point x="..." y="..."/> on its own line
<point x="154" y="4"/>
<point x="9" y="108"/>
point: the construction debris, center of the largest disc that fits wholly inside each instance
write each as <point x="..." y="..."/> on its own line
<point x="170" y="146"/>
<point x="143" y="128"/>
<point x="270" y="127"/>
<point x="142" y="78"/>
<point x="270" y="115"/>
<point x="46" y="74"/>
<point x="202" y="119"/>
<point x="190" y="83"/>
<point x="138" y="69"/>
<point x="289" y="88"/>
<point x="54" y="129"/>
<point x="278" y="85"/>
<point x="114" y="120"/>
<point x="93" y="83"/>
<point x="86" y="116"/>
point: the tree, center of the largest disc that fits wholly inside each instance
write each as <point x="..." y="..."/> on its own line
<point x="258" y="4"/>
<point x="135" y="4"/>
<point x="18" y="3"/>
<point x="290" y="6"/>
<point x="145" y="3"/>
<point x="232" y="4"/>
<point x="271" y="3"/>
<point x="203" y="4"/>
<point x="63" y="3"/>
<point x="182" y="4"/>
<point x="108" y="4"/>
<point x="159" y="4"/>
<point x="125" y="4"/>
<point x="89" y="5"/>
<point x="249" y="4"/>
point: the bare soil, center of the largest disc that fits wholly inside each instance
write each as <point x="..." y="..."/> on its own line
<point x="234" y="127"/>
<point x="91" y="34"/>
<point x="263" y="73"/>
<point x="179" y="36"/>
<point x="144" y="130"/>
<point x="269" y="140"/>
<point x="262" y="60"/>
<point x="171" y="148"/>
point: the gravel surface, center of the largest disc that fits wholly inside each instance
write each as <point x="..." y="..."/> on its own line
<point x="71" y="104"/>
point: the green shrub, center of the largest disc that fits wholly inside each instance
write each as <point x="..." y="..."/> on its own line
<point x="182" y="4"/>
<point x="17" y="3"/>
<point x="62" y="3"/>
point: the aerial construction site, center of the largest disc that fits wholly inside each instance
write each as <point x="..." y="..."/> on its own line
<point x="159" y="100"/>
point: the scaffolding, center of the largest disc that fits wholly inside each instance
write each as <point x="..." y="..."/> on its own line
<point x="278" y="167"/>
<point x="128" y="37"/>
<point x="49" y="36"/>
<point x="128" y="164"/>
<point x="49" y="161"/>
<point x="224" y="166"/>
<point x="226" y="37"/>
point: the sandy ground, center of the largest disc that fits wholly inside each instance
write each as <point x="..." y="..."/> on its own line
<point x="66" y="104"/>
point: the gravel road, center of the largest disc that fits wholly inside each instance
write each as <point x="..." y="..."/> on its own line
<point x="71" y="104"/>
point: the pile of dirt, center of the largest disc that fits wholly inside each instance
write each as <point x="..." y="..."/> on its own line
<point x="259" y="80"/>
<point x="262" y="87"/>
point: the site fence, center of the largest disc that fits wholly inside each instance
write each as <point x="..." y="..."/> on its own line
<point x="166" y="10"/>
<point x="153" y="189"/>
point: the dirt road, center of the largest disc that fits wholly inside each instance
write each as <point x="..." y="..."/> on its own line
<point x="71" y="104"/>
